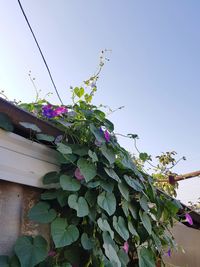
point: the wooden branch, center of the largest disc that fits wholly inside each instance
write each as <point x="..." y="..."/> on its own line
<point x="181" y="177"/>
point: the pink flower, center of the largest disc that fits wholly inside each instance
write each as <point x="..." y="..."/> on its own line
<point x="107" y="135"/>
<point x="51" y="253"/>
<point x="60" y="110"/>
<point x="188" y="218"/>
<point x="78" y="174"/>
<point x="126" y="247"/>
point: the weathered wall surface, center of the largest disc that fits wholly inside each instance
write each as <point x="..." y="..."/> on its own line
<point x="189" y="239"/>
<point x="23" y="163"/>
<point x="15" y="202"/>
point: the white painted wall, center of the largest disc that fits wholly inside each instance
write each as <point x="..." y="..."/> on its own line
<point x="23" y="161"/>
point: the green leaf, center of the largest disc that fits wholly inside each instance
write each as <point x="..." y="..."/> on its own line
<point x="107" y="201"/>
<point x="82" y="207"/>
<point x="69" y="183"/>
<point x="98" y="135"/>
<point x="108" y="154"/>
<point x="5" y="122"/>
<point x="123" y="257"/>
<point x="112" y="174"/>
<point x="100" y="115"/>
<point x="87" y="169"/>
<point x="133" y="183"/>
<point x="87" y="243"/>
<point x="157" y="241"/>
<point x="124" y="190"/>
<point x="93" y="156"/>
<point x="42" y="213"/>
<point x="146" y="221"/>
<point x="45" y="137"/>
<point x="31" y="251"/>
<point x="121" y="228"/>
<point x="72" y="201"/>
<point x="105" y="227"/>
<point x="144" y="156"/>
<point x="91" y="197"/>
<point x="62" y="197"/>
<point x="78" y="204"/>
<point x="127" y="162"/>
<point x="51" y="178"/>
<point x="146" y="258"/>
<point x="30" y="126"/>
<point x="4" y="259"/>
<point x="110" y="250"/>
<point x="134" y="210"/>
<point x="14" y="262"/>
<point x="62" y="233"/>
<point x="64" y="149"/>
<point x="79" y="91"/>
<point x="131" y="229"/>
<point x="49" y="195"/>
<point x="66" y="159"/>
<point x="144" y="203"/>
<point x="80" y="150"/>
<point x="107" y="186"/>
<point x="109" y="125"/>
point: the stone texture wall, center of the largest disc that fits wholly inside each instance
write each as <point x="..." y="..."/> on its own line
<point x="15" y="202"/>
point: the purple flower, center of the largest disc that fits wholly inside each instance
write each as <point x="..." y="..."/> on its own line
<point x="101" y="130"/>
<point x="60" y="110"/>
<point x="188" y="218"/>
<point x="48" y="112"/>
<point x="107" y="135"/>
<point x="51" y="253"/>
<point x="126" y="247"/>
<point x="169" y="252"/>
<point x="78" y="175"/>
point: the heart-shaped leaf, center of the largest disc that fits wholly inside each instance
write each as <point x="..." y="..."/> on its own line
<point x="87" y="243"/>
<point x="42" y="213"/>
<point x="107" y="201"/>
<point x="31" y="251"/>
<point x="112" y="174"/>
<point x="108" y="154"/>
<point x="120" y="226"/>
<point x="51" y="178"/>
<point x="62" y="233"/>
<point x="45" y="137"/>
<point x="110" y="250"/>
<point x="93" y="156"/>
<point x="69" y="183"/>
<point x="30" y="126"/>
<point x="133" y="183"/>
<point x="87" y="169"/>
<point x="98" y="135"/>
<point x="105" y="227"/>
<point x="146" y="258"/>
<point x="146" y="221"/>
<point x="64" y="149"/>
<point x="124" y="190"/>
<point x="78" y="204"/>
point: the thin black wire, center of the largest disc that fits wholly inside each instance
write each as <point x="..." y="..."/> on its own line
<point x="40" y="51"/>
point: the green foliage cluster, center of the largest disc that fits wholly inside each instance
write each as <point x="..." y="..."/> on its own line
<point x="103" y="211"/>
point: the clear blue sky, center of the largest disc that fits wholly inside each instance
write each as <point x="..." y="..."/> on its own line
<point x="153" y="70"/>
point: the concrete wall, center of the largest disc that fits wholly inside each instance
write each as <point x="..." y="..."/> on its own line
<point x="23" y="163"/>
<point x="189" y="239"/>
